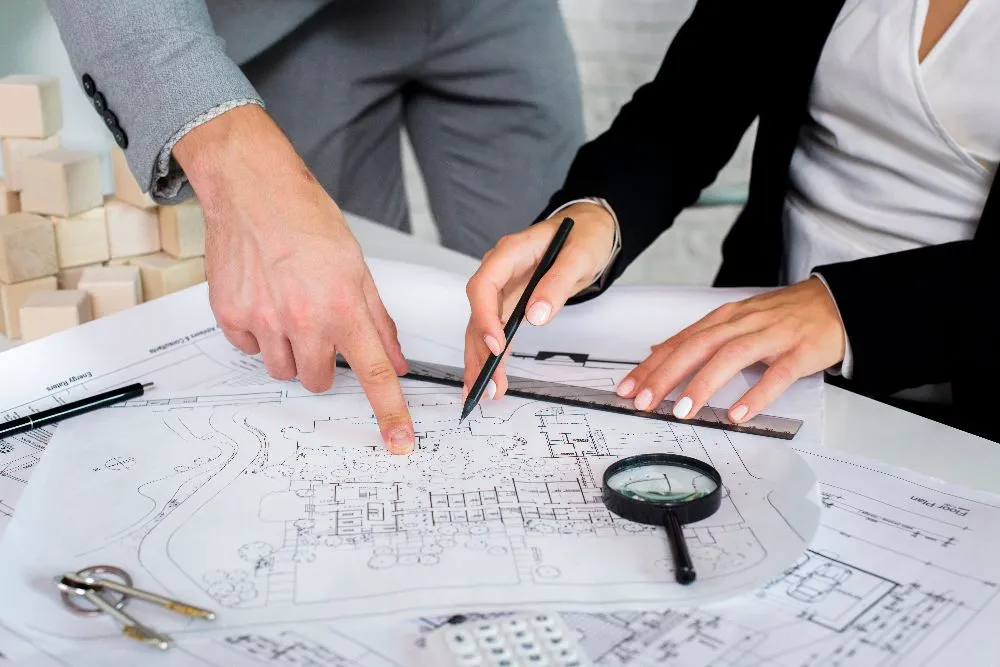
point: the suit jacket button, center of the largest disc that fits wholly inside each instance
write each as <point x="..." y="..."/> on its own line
<point x="110" y="119"/>
<point x="120" y="137"/>
<point x="89" y="86"/>
<point x="100" y="103"/>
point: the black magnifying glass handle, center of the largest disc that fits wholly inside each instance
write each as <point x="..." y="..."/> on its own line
<point x="683" y="567"/>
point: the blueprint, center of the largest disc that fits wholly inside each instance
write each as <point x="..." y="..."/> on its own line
<point x="902" y="573"/>
<point x="174" y="342"/>
<point x="276" y="505"/>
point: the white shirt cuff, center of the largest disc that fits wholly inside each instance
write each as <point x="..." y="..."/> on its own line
<point x="846" y="367"/>
<point x="616" y="246"/>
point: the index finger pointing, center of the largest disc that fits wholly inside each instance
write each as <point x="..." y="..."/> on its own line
<point x="363" y="351"/>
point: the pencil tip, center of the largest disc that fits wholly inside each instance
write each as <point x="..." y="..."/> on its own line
<point x="146" y="385"/>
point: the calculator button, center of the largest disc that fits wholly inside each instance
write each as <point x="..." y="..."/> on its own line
<point x="503" y="662"/>
<point x="536" y="660"/>
<point x="528" y="648"/>
<point x="460" y="642"/>
<point x="556" y="643"/>
<point x="542" y="620"/>
<point x="521" y="636"/>
<point x="487" y="630"/>
<point x="550" y="632"/>
<point x="567" y="656"/>
<point x="516" y="625"/>
<point x="471" y="660"/>
<point x="499" y="653"/>
<point x="491" y="641"/>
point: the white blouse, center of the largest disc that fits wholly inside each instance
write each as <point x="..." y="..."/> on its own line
<point x="898" y="154"/>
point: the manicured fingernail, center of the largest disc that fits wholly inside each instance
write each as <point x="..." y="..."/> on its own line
<point x="643" y="400"/>
<point x="683" y="407"/>
<point x="539" y="313"/>
<point x="493" y="344"/>
<point x="465" y="392"/>
<point x="738" y="413"/>
<point x="491" y="389"/>
<point x="401" y="442"/>
<point x="626" y="387"/>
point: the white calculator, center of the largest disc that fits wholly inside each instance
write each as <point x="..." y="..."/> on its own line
<point x="524" y="640"/>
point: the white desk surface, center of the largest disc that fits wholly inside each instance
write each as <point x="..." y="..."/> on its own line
<point x="852" y="423"/>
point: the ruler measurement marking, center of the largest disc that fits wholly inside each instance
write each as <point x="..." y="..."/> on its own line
<point x="606" y="401"/>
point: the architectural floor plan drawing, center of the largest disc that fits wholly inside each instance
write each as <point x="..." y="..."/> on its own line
<point x="505" y="494"/>
<point x="902" y="573"/>
<point x="174" y="342"/>
<point x="270" y="504"/>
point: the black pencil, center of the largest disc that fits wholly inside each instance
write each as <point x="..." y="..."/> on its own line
<point x="490" y="367"/>
<point x="60" y="412"/>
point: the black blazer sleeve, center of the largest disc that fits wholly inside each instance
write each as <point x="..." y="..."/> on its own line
<point x="927" y="315"/>
<point x="670" y="141"/>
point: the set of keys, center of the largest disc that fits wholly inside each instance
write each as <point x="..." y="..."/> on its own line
<point x="105" y="589"/>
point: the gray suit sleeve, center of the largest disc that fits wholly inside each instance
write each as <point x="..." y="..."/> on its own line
<point x="163" y="70"/>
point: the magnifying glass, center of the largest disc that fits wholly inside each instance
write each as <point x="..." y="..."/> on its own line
<point x="666" y="490"/>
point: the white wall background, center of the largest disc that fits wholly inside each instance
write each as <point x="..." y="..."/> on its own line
<point x="619" y="44"/>
<point x="29" y="44"/>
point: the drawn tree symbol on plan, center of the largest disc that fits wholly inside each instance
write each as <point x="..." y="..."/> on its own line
<point x="231" y="588"/>
<point x="382" y="558"/>
<point x="304" y="555"/>
<point x="119" y="463"/>
<point x="258" y="554"/>
<point x="279" y="471"/>
<point x="116" y="464"/>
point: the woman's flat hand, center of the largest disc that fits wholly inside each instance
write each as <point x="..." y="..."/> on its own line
<point x="795" y="330"/>
<point x="497" y="285"/>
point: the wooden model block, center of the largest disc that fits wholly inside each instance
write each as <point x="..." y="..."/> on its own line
<point x="30" y="106"/>
<point x="10" y="201"/>
<point x="45" y="313"/>
<point x="126" y="261"/>
<point x="182" y="230"/>
<point x="126" y="187"/>
<point x="27" y="248"/>
<point x="61" y="182"/>
<point x="131" y="230"/>
<point x="13" y="296"/>
<point x="162" y="274"/>
<point x="111" y="288"/>
<point x="68" y="279"/>
<point x="15" y="151"/>
<point x="82" y="239"/>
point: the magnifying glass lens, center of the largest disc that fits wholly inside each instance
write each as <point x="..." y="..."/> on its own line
<point x="662" y="484"/>
<point x="668" y="490"/>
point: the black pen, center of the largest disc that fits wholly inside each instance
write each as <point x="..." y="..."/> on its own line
<point x="490" y="367"/>
<point x="58" y="413"/>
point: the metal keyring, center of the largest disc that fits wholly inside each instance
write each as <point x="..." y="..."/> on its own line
<point x="73" y="603"/>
